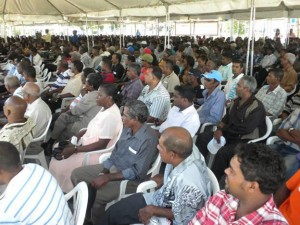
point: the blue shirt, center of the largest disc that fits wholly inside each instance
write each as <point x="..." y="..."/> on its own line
<point x="134" y="154"/>
<point x="213" y="107"/>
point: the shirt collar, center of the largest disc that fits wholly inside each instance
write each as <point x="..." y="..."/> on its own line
<point x="238" y="77"/>
<point x="139" y="134"/>
<point x="217" y="89"/>
<point x="276" y="90"/>
<point x="187" y="110"/>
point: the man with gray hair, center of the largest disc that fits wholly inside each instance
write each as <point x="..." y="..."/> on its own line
<point x="132" y="89"/>
<point x="290" y="78"/>
<point x="12" y="84"/>
<point x="244" y="121"/>
<point x="37" y="109"/>
<point x="130" y="160"/>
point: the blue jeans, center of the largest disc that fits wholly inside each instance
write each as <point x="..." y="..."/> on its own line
<point x="289" y="155"/>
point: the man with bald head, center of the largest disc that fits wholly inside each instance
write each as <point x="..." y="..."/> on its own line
<point x="18" y="130"/>
<point x="12" y="87"/>
<point x="37" y="109"/>
<point x="181" y="194"/>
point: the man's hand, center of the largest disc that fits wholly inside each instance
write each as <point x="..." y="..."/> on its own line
<point x="67" y="152"/>
<point x="296" y="135"/>
<point x="146" y="213"/>
<point x="217" y="135"/>
<point x="100" y="181"/>
<point x="159" y="179"/>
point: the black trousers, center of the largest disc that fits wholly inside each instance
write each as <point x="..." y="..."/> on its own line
<point x="224" y="154"/>
<point x="125" y="211"/>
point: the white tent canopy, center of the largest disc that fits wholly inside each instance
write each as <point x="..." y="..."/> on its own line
<point x="64" y="10"/>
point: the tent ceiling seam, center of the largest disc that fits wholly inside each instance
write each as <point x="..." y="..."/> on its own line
<point x="112" y="4"/>
<point x="82" y="11"/>
<point x="4" y="7"/>
<point x="62" y="15"/>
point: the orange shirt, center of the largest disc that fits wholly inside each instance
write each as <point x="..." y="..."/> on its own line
<point x="290" y="208"/>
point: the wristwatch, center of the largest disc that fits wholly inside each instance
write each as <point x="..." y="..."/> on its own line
<point x="291" y="129"/>
<point x="75" y="149"/>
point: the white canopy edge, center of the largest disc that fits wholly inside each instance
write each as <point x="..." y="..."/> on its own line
<point x="203" y="9"/>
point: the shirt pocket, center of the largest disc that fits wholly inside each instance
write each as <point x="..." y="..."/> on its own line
<point x="132" y="150"/>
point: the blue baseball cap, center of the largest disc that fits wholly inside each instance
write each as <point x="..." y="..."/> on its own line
<point x="214" y="74"/>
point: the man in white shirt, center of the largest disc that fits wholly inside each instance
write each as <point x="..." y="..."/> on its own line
<point x="85" y="57"/>
<point x="169" y="79"/>
<point x="237" y="74"/>
<point x="35" y="58"/>
<point x="37" y="109"/>
<point x="269" y="59"/>
<point x="183" y="113"/>
<point x="226" y="68"/>
<point x="96" y="57"/>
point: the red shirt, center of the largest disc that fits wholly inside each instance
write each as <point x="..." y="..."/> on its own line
<point x="109" y="78"/>
<point x="221" y="208"/>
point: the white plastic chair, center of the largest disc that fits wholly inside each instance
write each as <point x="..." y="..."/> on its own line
<point x="80" y="199"/>
<point x="214" y="182"/>
<point x="87" y="155"/>
<point x="149" y="186"/>
<point x="292" y="91"/>
<point x="65" y="103"/>
<point x="154" y="170"/>
<point x="268" y="132"/>
<point x="272" y="140"/>
<point x="40" y="156"/>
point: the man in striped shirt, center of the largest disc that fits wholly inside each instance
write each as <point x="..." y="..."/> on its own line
<point x="63" y="77"/>
<point x="155" y="96"/>
<point x="32" y="195"/>
<point x="254" y="173"/>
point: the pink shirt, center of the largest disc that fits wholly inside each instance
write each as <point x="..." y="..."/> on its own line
<point x="221" y="208"/>
<point x="105" y="125"/>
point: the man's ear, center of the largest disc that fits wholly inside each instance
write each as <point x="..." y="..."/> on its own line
<point x="253" y="186"/>
<point x="8" y="112"/>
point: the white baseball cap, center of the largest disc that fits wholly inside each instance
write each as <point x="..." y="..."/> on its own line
<point x="213" y="146"/>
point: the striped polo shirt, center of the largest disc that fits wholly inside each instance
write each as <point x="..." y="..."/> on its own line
<point x="34" y="197"/>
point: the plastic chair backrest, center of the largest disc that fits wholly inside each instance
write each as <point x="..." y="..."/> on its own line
<point x="44" y="134"/>
<point x="268" y="132"/>
<point x="80" y="198"/>
<point x="154" y="170"/>
<point x="109" y="149"/>
<point x="214" y="182"/>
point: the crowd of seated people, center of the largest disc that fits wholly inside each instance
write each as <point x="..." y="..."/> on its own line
<point x="147" y="101"/>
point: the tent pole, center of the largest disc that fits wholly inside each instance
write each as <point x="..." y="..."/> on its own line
<point x="190" y="27"/>
<point x="253" y="39"/>
<point x="86" y="31"/>
<point x="157" y="27"/>
<point x="231" y="28"/>
<point x="288" y="28"/>
<point x="166" y="28"/>
<point x="175" y="32"/>
<point x="120" y="22"/>
<point x="249" y="34"/>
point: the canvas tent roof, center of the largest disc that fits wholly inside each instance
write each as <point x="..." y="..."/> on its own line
<point x="62" y="10"/>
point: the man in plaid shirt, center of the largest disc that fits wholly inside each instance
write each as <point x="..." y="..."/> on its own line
<point x="254" y="173"/>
